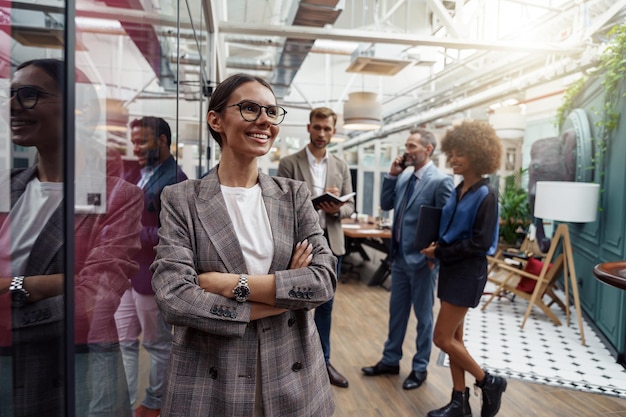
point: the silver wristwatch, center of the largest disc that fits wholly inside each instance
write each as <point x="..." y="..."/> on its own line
<point x="19" y="295"/>
<point x="242" y="290"/>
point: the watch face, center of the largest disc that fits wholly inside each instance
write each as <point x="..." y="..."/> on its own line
<point x="241" y="293"/>
<point x="19" y="297"/>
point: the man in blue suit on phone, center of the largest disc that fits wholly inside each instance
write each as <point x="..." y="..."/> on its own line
<point x="413" y="277"/>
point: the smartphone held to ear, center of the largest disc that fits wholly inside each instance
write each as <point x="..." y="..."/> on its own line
<point x="403" y="163"/>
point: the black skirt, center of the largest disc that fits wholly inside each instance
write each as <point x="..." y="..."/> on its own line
<point x="462" y="283"/>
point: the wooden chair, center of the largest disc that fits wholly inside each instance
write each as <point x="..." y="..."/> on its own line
<point x="494" y="275"/>
<point x="545" y="282"/>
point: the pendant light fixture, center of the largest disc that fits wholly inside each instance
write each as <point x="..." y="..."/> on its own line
<point x="362" y="112"/>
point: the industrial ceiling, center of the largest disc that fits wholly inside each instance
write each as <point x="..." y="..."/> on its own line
<point x="428" y="60"/>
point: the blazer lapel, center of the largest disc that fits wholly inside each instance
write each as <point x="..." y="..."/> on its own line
<point x="305" y="169"/>
<point x="48" y="244"/>
<point x="330" y="171"/>
<point x="51" y="238"/>
<point x="214" y="218"/>
<point x="420" y="186"/>
<point x="281" y="213"/>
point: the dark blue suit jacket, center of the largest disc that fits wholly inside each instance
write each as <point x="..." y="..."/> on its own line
<point x="433" y="189"/>
<point x="168" y="173"/>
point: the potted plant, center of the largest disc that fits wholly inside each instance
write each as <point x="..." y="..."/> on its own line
<point x="514" y="210"/>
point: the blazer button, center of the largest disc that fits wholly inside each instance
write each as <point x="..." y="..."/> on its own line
<point x="296" y="367"/>
<point x="291" y="322"/>
<point x="213" y="373"/>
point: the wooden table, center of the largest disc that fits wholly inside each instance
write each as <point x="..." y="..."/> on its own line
<point x="369" y="234"/>
<point x="612" y="273"/>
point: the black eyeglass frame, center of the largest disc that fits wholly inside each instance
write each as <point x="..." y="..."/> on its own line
<point x="18" y="92"/>
<point x="261" y="107"/>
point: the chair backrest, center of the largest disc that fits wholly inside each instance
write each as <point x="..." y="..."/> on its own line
<point x="553" y="273"/>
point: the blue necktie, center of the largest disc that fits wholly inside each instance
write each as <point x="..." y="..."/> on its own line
<point x="405" y="199"/>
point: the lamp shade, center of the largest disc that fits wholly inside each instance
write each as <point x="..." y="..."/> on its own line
<point x="564" y="201"/>
<point x="362" y="112"/>
<point x="508" y="122"/>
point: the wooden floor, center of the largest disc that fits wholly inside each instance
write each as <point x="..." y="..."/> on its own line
<point x="359" y="330"/>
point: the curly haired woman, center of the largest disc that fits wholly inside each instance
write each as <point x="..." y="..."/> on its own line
<point x="468" y="232"/>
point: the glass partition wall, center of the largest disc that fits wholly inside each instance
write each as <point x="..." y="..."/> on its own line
<point x="73" y="76"/>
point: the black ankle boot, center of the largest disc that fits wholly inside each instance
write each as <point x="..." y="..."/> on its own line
<point x="458" y="407"/>
<point x="492" y="388"/>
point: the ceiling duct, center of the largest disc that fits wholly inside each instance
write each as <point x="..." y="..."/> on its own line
<point x="249" y="64"/>
<point x="36" y="29"/>
<point x="253" y="40"/>
<point x="377" y="61"/>
<point x="314" y="13"/>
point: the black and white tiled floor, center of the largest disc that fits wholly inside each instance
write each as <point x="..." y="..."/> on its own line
<point x="541" y="352"/>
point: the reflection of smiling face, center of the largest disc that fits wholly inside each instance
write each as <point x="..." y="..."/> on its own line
<point x="145" y="145"/>
<point x="40" y="126"/>
<point x="248" y="138"/>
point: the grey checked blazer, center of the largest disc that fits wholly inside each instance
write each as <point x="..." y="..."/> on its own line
<point x="213" y="363"/>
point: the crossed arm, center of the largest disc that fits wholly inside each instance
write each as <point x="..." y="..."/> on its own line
<point x="262" y="287"/>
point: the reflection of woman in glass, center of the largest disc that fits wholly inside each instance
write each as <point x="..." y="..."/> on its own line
<point x="468" y="233"/>
<point x="233" y="277"/>
<point x="32" y="331"/>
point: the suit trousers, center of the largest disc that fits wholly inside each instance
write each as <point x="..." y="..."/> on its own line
<point x="323" y="319"/>
<point x="410" y="286"/>
<point x="137" y="315"/>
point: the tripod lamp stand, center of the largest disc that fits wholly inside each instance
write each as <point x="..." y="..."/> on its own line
<point x="573" y="202"/>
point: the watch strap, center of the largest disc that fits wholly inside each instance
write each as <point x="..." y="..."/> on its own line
<point x="17" y="283"/>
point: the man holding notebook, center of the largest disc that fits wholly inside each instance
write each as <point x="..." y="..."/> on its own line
<point x="413" y="277"/>
<point x="324" y="173"/>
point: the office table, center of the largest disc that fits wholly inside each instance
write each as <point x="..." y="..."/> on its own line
<point x="368" y="234"/>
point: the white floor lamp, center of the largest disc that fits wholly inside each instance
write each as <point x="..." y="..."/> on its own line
<point x="574" y="202"/>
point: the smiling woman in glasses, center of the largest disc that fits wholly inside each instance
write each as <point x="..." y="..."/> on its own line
<point x="250" y="111"/>
<point x="36" y="112"/>
<point x="28" y="95"/>
<point x="240" y="263"/>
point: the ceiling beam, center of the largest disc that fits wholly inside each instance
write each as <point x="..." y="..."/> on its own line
<point x="605" y="18"/>
<point x="462" y="102"/>
<point x="362" y="36"/>
<point x="441" y="12"/>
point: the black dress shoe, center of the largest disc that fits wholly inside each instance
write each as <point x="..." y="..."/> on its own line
<point x="380" y="369"/>
<point x="336" y="378"/>
<point x="414" y="380"/>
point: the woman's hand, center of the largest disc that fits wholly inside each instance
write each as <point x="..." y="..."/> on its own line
<point x="429" y="252"/>
<point x="302" y="255"/>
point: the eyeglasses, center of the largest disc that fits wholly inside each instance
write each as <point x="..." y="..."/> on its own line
<point x="28" y="96"/>
<point x="250" y="112"/>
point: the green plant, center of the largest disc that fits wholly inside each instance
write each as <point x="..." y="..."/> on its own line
<point x="612" y="67"/>
<point x="514" y="209"/>
<point x="568" y="97"/>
